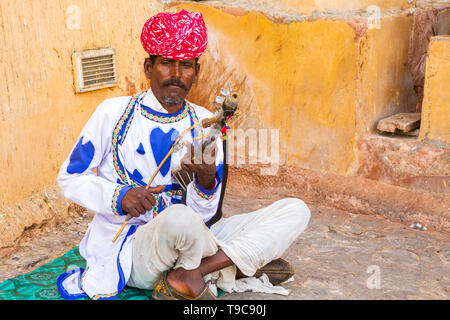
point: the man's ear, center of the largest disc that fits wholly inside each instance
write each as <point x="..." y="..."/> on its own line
<point x="197" y="71"/>
<point x="148" y="68"/>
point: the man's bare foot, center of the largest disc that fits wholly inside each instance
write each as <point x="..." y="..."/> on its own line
<point x="191" y="283"/>
<point x="239" y="274"/>
<point x="188" y="282"/>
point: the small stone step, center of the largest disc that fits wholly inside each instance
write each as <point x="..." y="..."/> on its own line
<point x="400" y="122"/>
<point x="414" y="133"/>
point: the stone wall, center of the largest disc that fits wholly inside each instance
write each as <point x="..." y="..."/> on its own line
<point x="40" y="114"/>
<point x="322" y="81"/>
<point x="435" y="123"/>
<point x="321" y="72"/>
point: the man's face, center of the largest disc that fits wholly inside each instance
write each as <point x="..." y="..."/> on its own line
<point x="170" y="79"/>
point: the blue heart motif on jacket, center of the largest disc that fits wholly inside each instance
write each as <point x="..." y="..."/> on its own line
<point x="81" y="157"/>
<point x="161" y="143"/>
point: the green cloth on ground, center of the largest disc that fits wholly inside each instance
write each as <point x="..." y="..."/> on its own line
<point x="40" y="284"/>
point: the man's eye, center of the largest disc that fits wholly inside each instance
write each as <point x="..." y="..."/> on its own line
<point x="187" y="65"/>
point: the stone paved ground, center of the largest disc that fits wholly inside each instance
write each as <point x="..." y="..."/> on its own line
<point x="338" y="256"/>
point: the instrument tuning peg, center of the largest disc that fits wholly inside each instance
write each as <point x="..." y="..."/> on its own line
<point x="230" y="86"/>
<point x="220" y="99"/>
<point x="224" y="92"/>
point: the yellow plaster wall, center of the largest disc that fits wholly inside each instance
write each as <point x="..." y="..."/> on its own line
<point x="307" y="7"/>
<point x="384" y="82"/>
<point x="301" y="78"/>
<point x="384" y="5"/>
<point x="40" y="114"/>
<point x="435" y="122"/>
<point x="323" y="84"/>
<point x="347" y="5"/>
<point x="298" y="78"/>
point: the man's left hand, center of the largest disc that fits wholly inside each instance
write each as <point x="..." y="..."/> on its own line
<point x="202" y="161"/>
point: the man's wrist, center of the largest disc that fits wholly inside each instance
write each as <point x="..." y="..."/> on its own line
<point x="119" y="193"/>
<point x="207" y="182"/>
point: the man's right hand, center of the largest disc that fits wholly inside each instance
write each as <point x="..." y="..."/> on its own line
<point x="139" y="200"/>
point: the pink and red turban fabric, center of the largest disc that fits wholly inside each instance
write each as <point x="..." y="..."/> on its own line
<point x="178" y="36"/>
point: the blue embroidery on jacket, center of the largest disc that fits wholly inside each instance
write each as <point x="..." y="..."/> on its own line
<point x="140" y="149"/>
<point x="161" y="143"/>
<point x="137" y="177"/>
<point x="81" y="157"/>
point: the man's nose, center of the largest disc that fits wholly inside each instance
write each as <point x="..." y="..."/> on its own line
<point x="175" y="70"/>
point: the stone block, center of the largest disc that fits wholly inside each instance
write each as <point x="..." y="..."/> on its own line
<point x="403" y="122"/>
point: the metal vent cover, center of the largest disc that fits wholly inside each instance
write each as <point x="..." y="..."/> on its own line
<point x="94" y="69"/>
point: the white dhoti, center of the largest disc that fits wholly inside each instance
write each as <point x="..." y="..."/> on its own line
<point x="179" y="238"/>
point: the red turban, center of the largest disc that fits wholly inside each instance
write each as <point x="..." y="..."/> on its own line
<point x="180" y="36"/>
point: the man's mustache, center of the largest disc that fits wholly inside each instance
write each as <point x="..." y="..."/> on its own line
<point x="174" y="82"/>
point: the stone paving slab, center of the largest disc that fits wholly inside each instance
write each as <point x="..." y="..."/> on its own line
<point x="339" y="256"/>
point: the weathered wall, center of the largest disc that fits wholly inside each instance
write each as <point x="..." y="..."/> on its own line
<point x="312" y="69"/>
<point x="307" y="7"/>
<point x="320" y="82"/>
<point x="40" y="114"/>
<point x="384" y="84"/>
<point x="432" y="4"/>
<point x="324" y="83"/>
<point x="348" y="5"/>
<point x="291" y="78"/>
<point x="435" y="122"/>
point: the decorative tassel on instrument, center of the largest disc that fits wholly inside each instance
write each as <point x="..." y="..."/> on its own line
<point x="216" y="123"/>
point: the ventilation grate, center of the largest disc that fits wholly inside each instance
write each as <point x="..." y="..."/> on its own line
<point x="95" y="69"/>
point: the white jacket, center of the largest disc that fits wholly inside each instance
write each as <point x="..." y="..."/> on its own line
<point x="125" y="139"/>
